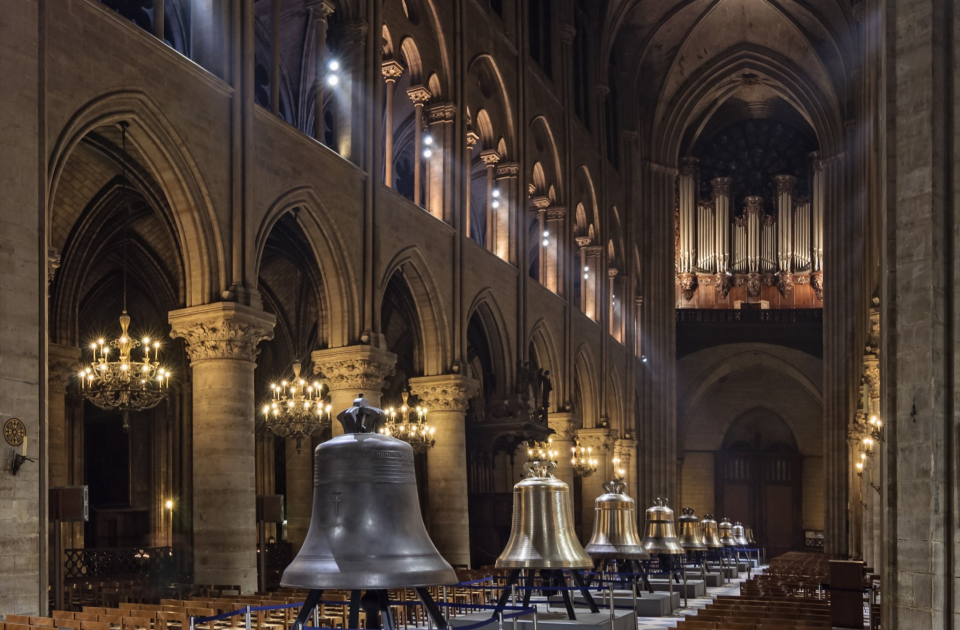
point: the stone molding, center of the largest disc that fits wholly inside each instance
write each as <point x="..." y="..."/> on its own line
<point x="688" y="166"/>
<point x="541" y="203"/>
<point x="222" y="330"/>
<point x="450" y="392"/>
<point x="593" y="251"/>
<point x="507" y="169"/>
<point x="63" y="363"/>
<point x="582" y="241"/>
<point x="321" y="9"/>
<point x="597" y="439"/>
<point x="623" y="448"/>
<point x="564" y="425"/>
<point x="438" y="113"/>
<point x="556" y="214"/>
<point x="472" y="139"/>
<point x="354" y="367"/>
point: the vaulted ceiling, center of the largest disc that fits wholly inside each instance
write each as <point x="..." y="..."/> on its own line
<point x="694" y="66"/>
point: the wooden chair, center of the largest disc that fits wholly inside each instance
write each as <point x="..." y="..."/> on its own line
<point x="201" y="612"/>
<point x="62" y="614"/>
<point x="22" y="620"/>
<point x="85" y="616"/>
<point x="46" y="622"/>
<point x="71" y="624"/>
<point x="135" y="623"/>
<point x="691" y="624"/>
<point x="94" y="625"/>
<point x="179" y="618"/>
<point x="16" y="626"/>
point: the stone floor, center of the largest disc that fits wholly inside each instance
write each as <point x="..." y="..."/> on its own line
<point x="693" y="605"/>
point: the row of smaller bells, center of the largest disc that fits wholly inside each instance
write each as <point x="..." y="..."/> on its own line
<point x="366" y="531"/>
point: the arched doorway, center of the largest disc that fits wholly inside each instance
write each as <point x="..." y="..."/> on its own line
<point x="759" y="480"/>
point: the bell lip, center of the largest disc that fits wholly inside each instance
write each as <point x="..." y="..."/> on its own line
<point x="697" y="547"/>
<point x="543" y="564"/>
<point x="313" y="580"/>
<point x="619" y="552"/>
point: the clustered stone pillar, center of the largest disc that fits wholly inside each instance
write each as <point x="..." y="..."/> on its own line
<point x="469" y="144"/>
<point x="446" y="398"/>
<point x="299" y="506"/>
<point x="353" y="370"/>
<point x="392" y="71"/>
<point x="420" y="96"/>
<point x="591" y="266"/>
<point x="553" y="231"/>
<point x="320" y="10"/>
<point x="441" y="168"/>
<point x="541" y="204"/>
<point x="222" y="341"/>
<point x="62" y="365"/>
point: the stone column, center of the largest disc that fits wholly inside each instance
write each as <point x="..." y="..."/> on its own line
<point x="592" y="256"/>
<point x="446" y="397"/>
<point x="490" y="158"/>
<point x="420" y="96"/>
<point x="565" y="426"/>
<point x="611" y="292"/>
<point x="319" y="10"/>
<point x="350" y="38"/>
<point x="625" y="449"/>
<point x="599" y="441"/>
<point x="392" y="70"/>
<point x="62" y="365"/>
<point x="299" y="505"/>
<point x="471" y="142"/>
<point x="353" y="370"/>
<point x="541" y="204"/>
<point x="507" y="176"/>
<point x="222" y="341"/>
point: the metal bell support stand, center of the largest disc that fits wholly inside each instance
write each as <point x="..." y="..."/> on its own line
<point x="557" y="579"/>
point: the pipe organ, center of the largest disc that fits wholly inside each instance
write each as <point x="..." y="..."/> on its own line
<point x="715" y="239"/>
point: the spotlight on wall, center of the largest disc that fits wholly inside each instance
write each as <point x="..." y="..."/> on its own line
<point x="643" y="358"/>
<point x="332" y="77"/>
<point x="495" y="204"/>
<point x="427" y="153"/>
<point x="427" y="139"/>
<point x="168" y="504"/>
<point x="496" y="192"/>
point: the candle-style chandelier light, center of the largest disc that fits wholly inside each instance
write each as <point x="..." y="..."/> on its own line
<point x="297" y="409"/>
<point x="410" y="425"/>
<point x="584" y="463"/>
<point x="121" y="381"/>
<point x="541" y="458"/>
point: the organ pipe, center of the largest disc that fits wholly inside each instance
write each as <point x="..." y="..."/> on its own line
<point x="786" y="184"/>
<point x="801" y="236"/>
<point x="753" y="212"/>
<point x="688" y="209"/>
<point x="818" y="201"/>
<point x="721" y="205"/>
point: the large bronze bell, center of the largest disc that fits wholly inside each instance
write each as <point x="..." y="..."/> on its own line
<point x="711" y="536"/>
<point x="726" y="536"/>
<point x="615" y="533"/>
<point x="689" y="537"/>
<point x="659" y="536"/>
<point x="739" y="535"/>
<point x="366" y="531"/>
<point x="543" y="535"/>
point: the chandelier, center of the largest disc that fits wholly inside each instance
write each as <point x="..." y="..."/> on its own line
<point x="541" y="459"/>
<point x="584" y="463"/>
<point x="297" y="409"/>
<point x="410" y="425"/>
<point x="125" y="383"/>
<point x="619" y="473"/>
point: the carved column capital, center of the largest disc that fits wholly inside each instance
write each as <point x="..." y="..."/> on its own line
<point x="222" y="330"/>
<point x="568" y="32"/>
<point x="320" y="9"/>
<point x="817" y="161"/>
<point x="63" y="363"/>
<point x="603" y="91"/>
<point x="623" y="449"/>
<point x="556" y="213"/>
<point x="450" y="392"/>
<point x="583" y="241"/>
<point x="472" y="139"/>
<point x="490" y="157"/>
<point x="564" y="425"/>
<point x="419" y="94"/>
<point x="392" y="70"/>
<point x="597" y="439"/>
<point x="53" y="263"/>
<point x="541" y="203"/>
<point x="354" y="367"/>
